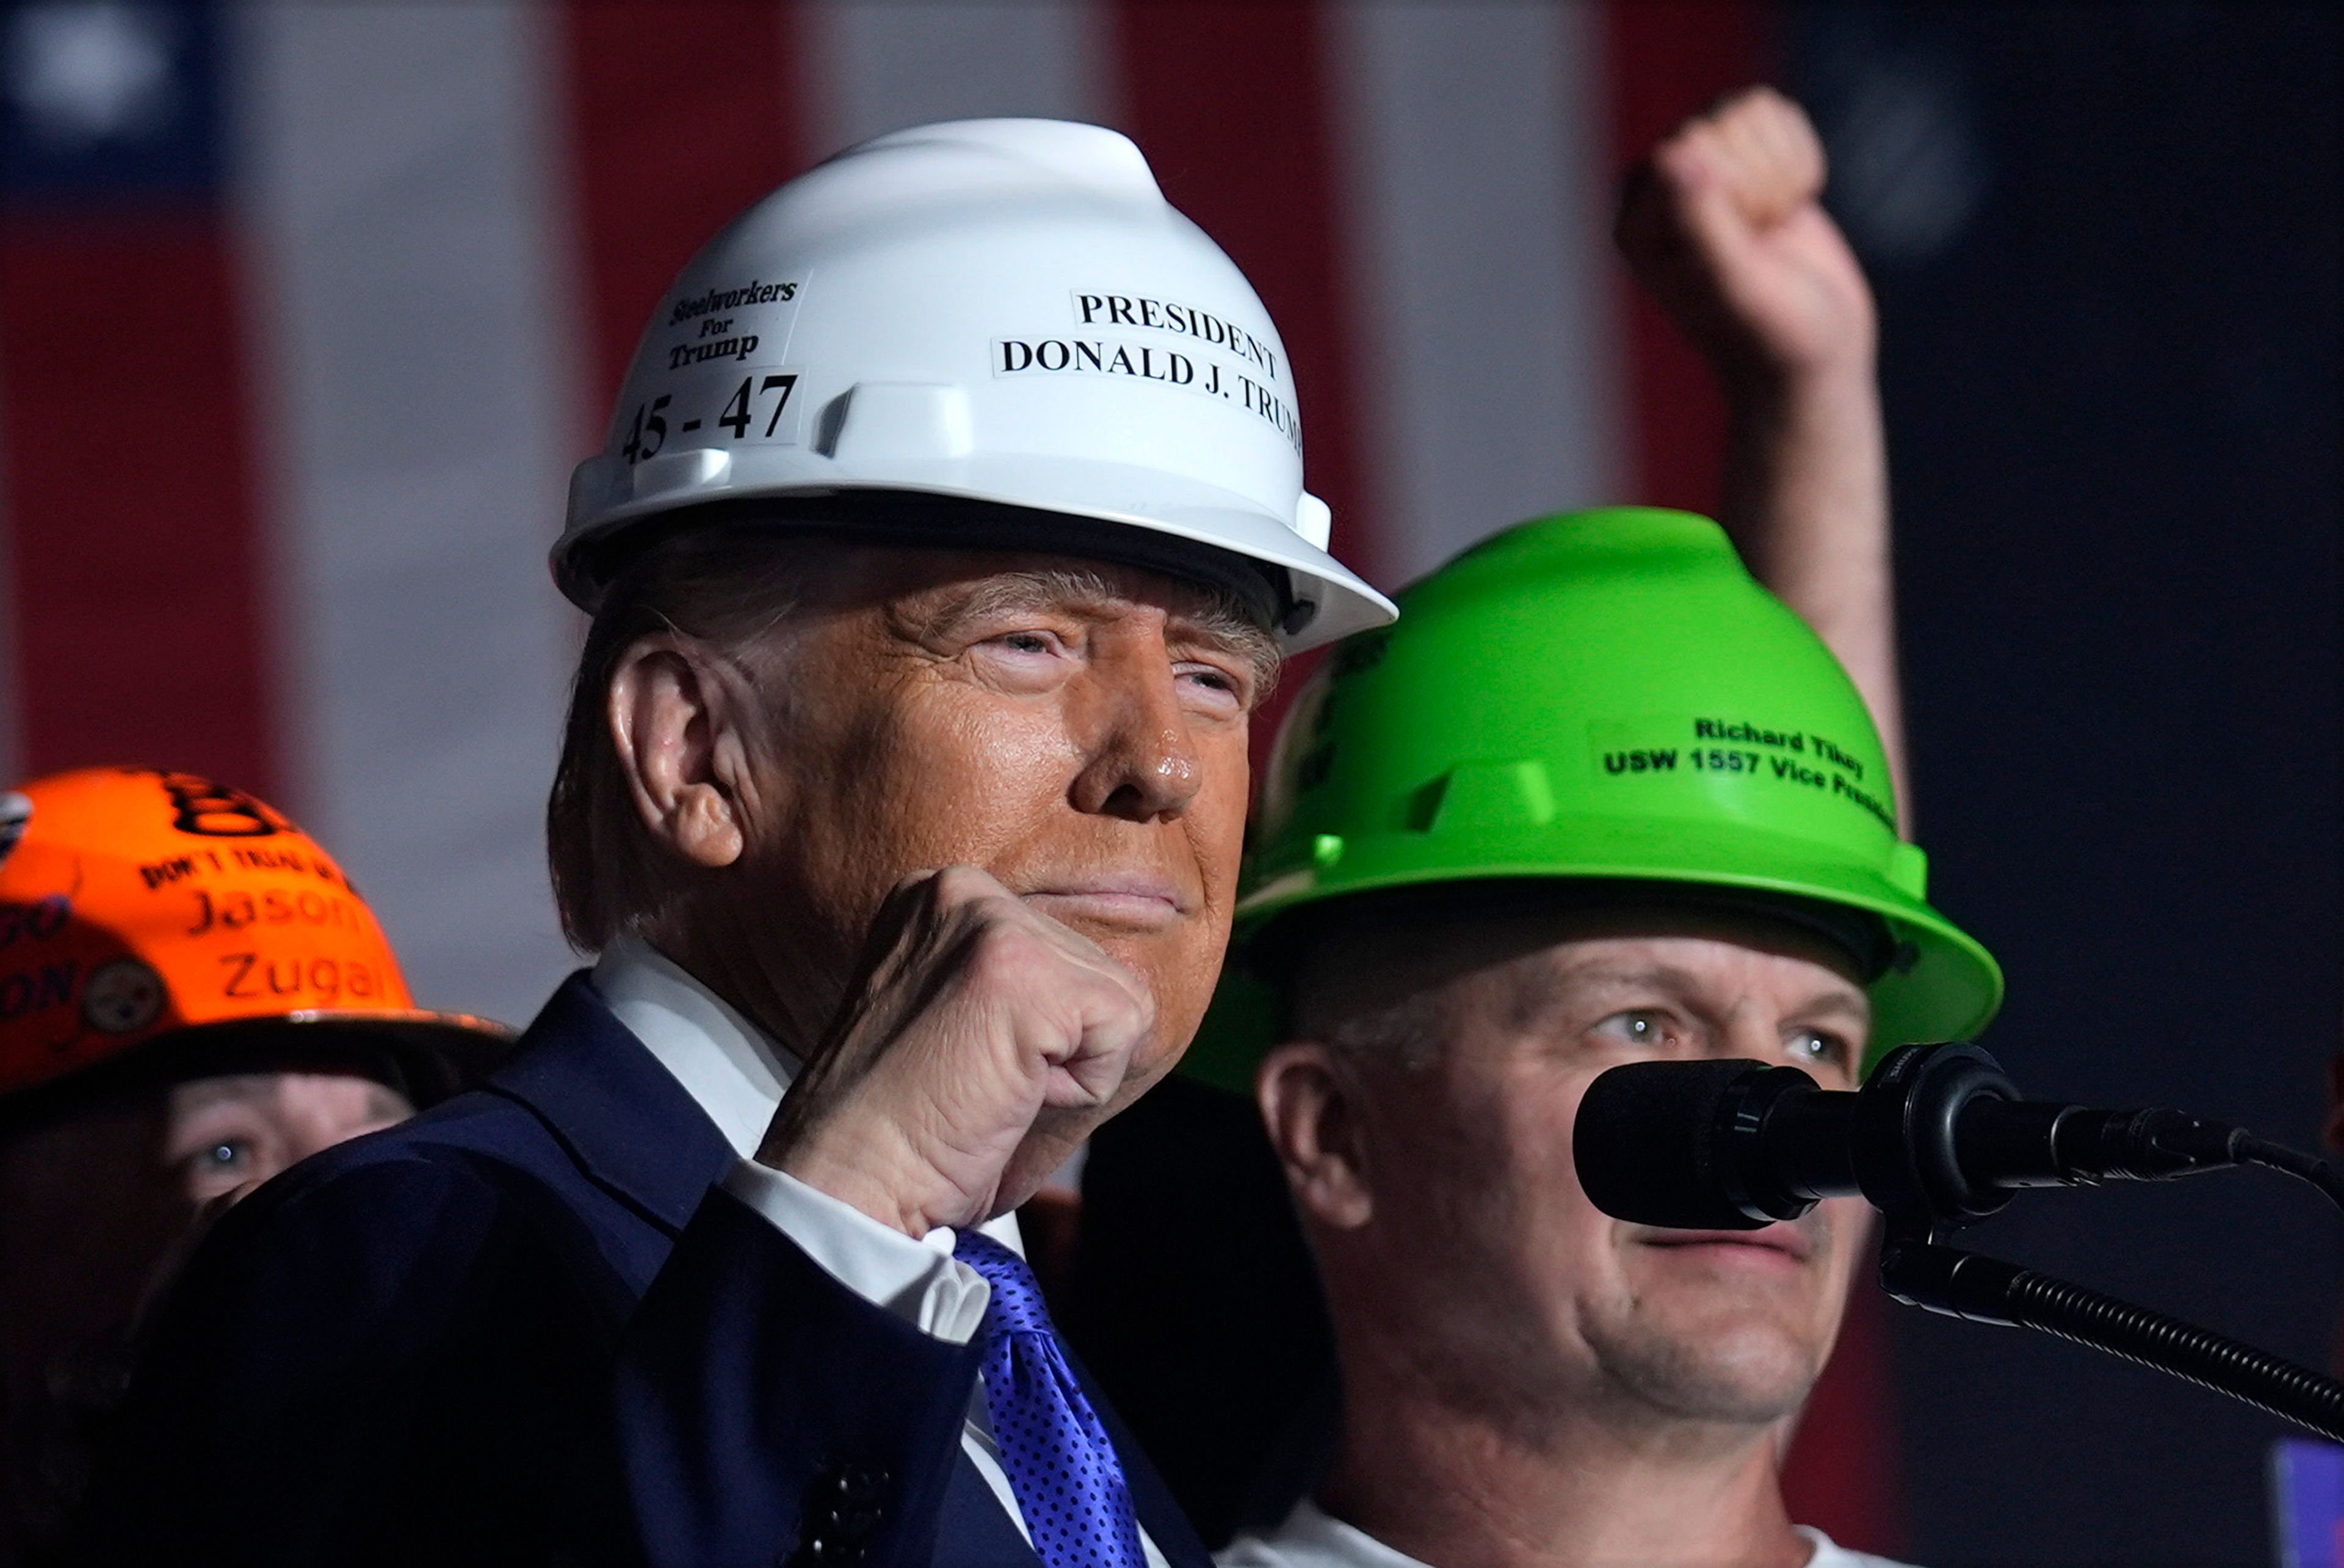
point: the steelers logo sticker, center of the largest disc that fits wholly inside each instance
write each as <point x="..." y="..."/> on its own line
<point x="122" y="997"/>
<point x="15" y="811"/>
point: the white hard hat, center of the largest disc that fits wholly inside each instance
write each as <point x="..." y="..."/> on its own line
<point x="1005" y="312"/>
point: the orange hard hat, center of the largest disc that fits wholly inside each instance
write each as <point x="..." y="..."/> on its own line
<point x="136" y="903"/>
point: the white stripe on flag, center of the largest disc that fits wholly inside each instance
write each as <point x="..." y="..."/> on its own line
<point x="883" y="64"/>
<point x="406" y="246"/>
<point x="1491" y="387"/>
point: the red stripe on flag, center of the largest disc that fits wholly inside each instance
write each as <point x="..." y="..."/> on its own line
<point x="137" y="564"/>
<point x="683" y="112"/>
<point x="1670" y="59"/>
<point x="1227" y="99"/>
<point x="1846" y="1473"/>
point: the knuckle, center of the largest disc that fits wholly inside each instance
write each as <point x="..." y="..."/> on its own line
<point x="1003" y="948"/>
<point x="919" y="888"/>
<point x="963" y="884"/>
<point x="1138" y="997"/>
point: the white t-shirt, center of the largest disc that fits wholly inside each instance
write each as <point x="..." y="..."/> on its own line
<point x="1311" y="1539"/>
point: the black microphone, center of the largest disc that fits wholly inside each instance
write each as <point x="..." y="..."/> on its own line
<point x="1937" y="1133"/>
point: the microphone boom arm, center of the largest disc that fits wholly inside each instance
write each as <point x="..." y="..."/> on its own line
<point x="1917" y="1270"/>
<point x="1906" y="1151"/>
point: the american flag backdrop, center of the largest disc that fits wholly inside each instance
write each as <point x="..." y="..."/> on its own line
<point x="306" y="310"/>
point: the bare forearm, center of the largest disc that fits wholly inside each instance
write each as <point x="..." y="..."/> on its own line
<point x="1806" y="500"/>
<point x="1724" y="223"/>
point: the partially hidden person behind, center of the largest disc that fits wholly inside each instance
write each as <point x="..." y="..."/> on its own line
<point x="193" y="996"/>
<point x="948" y="531"/>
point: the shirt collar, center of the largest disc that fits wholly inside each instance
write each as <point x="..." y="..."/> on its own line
<point x="1313" y="1538"/>
<point x="734" y="1069"/>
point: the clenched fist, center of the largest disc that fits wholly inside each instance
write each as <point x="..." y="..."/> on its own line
<point x="1724" y="222"/>
<point x="978" y="1045"/>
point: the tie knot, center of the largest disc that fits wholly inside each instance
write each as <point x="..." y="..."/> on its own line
<point x="1017" y="1305"/>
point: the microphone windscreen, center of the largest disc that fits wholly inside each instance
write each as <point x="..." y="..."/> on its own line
<point x="1647" y="1144"/>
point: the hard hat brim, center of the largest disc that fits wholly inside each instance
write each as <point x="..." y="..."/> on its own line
<point x="441" y="1054"/>
<point x="1948" y="988"/>
<point x="1218" y="520"/>
<point x="435" y="1055"/>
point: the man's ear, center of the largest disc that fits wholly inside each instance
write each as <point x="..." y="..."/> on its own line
<point x="676" y="715"/>
<point x="1311" y="1105"/>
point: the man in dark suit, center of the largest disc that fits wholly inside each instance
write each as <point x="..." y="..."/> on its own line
<point x="902" y="799"/>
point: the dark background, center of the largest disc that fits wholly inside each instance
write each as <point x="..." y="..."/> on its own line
<point x="2105" y="240"/>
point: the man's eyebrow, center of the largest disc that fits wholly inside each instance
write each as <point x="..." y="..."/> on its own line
<point x="1221" y="622"/>
<point x="1006" y="592"/>
<point x="1214" y="618"/>
<point x="229" y="1088"/>
<point x="1550" y="983"/>
<point x="1849" y="1003"/>
<point x="1547" y="984"/>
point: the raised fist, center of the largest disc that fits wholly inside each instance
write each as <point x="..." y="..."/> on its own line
<point x="980" y="1043"/>
<point x="1724" y="224"/>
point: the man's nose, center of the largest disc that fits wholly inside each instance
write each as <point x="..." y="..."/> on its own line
<point x="1141" y="762"/>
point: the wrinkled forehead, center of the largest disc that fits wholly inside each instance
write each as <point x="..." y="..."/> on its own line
<point x="1709" y="938"/>
<point x="1700" y="958"/>
<point x="900" y="572"/>
<point x="1526" y="961"/>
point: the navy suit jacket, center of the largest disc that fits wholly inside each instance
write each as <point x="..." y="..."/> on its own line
<point x="527" y="1327"/>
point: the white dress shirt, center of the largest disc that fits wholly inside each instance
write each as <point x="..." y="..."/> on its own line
<point x="737" y="1075"/>
<point x="1312" y="1538"/>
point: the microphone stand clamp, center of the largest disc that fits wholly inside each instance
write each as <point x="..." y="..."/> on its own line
<point x="1903" y="1144"/>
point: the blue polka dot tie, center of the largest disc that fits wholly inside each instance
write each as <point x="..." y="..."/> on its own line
<point x="1062" y="1468"/>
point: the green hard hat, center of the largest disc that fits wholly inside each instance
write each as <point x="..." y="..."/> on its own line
<point x="1603" y="695"/>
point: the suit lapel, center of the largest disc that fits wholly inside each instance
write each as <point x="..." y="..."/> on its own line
<point x="634" y="1130"/>
<point x="980" y="1530"/>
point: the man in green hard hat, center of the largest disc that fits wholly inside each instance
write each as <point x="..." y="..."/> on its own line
<point x="1214" y="1341"/>
<point x="1597" y="798"/>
